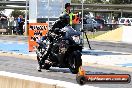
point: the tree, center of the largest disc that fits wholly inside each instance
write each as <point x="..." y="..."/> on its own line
<point x="75" y="1"/>
<point x="121" y="1"/>
<point x="116" y="1"/>
<point x="2" y="5"/>
<point x="104" y="1"/>
<point x="16" y="13"/>
<point x="94" y="1"/>
<point x="89" y="1"/>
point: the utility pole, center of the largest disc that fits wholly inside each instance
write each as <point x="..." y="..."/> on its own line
<point x="82" y="13"/>
<point x="84" y="33"/>
<point x="48" y="13"/>
<point x="82" y="1"/>
<point x="26" y="30"/>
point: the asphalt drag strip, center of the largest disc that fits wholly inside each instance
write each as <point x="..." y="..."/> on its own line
<point x="28" y="67"/>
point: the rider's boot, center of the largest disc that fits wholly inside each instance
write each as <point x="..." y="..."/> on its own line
<point x="39" y="66"/>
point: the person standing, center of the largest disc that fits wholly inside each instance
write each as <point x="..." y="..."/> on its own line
<point x="11" y="24"/>
<point x="20" y="25"/>
<point x="73" y="18"/>
<point x="68" y="12"/>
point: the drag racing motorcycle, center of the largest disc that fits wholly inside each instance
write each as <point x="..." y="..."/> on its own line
<point x="56" y="50"/>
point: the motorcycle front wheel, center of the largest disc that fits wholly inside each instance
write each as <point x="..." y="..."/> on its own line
<point x="46" y="66"/>
<point x="43" y="65"/>
<point x="75" y="62"/>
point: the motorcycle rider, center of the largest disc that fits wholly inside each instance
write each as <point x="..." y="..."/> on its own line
<point x="67" y="16"/>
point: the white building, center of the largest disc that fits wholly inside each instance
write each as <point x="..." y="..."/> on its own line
<point x="42" y="9"/>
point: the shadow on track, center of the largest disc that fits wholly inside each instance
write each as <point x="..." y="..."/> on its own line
<point x="56" y="69"/>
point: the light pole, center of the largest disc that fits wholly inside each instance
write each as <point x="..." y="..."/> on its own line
<point x="84" y="33"/>
<point x="62" y="5"/>
<point x="82" y="1"/>
<point x="82" y="13"/>
<point x="26" y="31"/>
<point x="48" y="13"/>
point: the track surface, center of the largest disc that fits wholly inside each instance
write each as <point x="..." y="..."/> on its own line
<point x="28" y="67"/>
<point x="110" y="46"/>
<point x="97" y="45"/>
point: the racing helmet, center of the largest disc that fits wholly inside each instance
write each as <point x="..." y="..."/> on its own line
<point x="65" y="18"/>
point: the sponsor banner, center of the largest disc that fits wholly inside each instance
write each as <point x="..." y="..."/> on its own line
<point x="108" y="78"/>
<point x="36" y="31"/>
<point x="83" y="77"/>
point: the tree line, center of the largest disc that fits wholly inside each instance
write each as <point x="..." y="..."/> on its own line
<point x="103" y="1"/>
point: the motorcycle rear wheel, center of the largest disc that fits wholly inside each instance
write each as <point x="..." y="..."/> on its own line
<point x="75" y="62"/>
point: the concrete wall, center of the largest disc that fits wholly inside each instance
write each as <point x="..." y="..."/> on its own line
<point x="14" y="80"/>
<point x="127" y="34"/>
